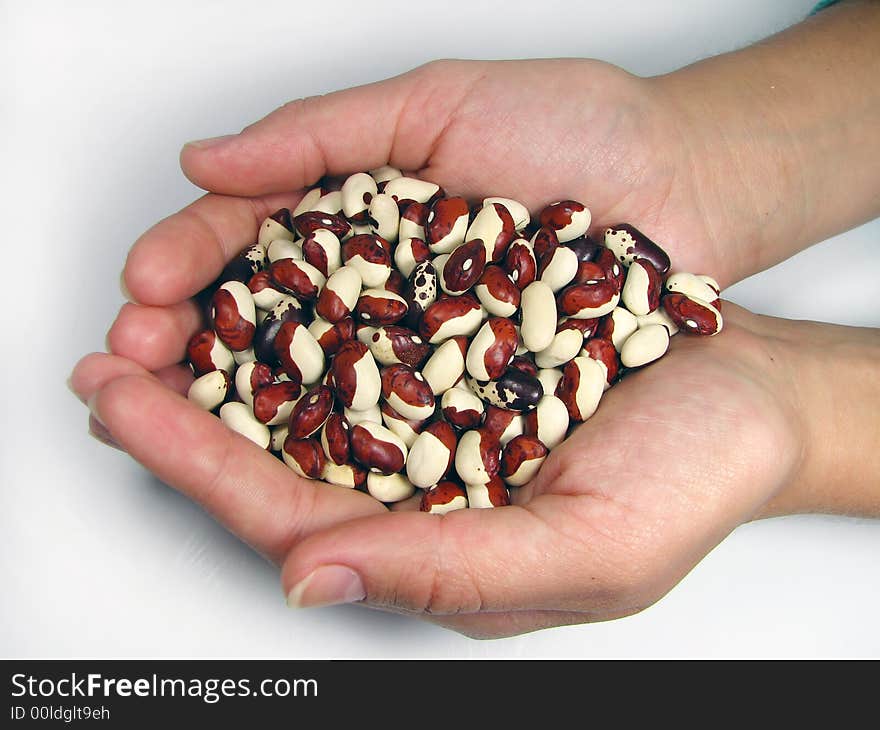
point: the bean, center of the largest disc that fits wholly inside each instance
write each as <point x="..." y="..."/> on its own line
<point x="304" y="456"/>
<point x="462" y="408"/>
<point x="344" y="475"/>
<point x="233" y="315"/>
<point x="409" y="253"/>
<point x="335" y="434"/>
<point x="322" y="250"/>
<point x="568" y="218"/>
<point x="617" y="325"/>
<point x="445" y="497"/>
<point x="451" y="316"/>
<point x="406" y="391"/>
<point x="276" y="226"/>
<point x="538" y="316"/>
<point x="549" y="420"/>
<point x="357" y="192"/>
<point x="645" y="345"/>
<point x="485" y="496"/>
<point x="464" y="267"/>
<point x="517" y="210"/>
<point x="445" y="366"/>
<point x="692" y="315"/>
<point x="206" y="352"/>
<point x="581" y="387"/>
<point x="311" y="412"/>
<point x="641" y="291"/>
<point x="209" y="390"/>
<point x="356" y="379"/>
<point x="493" y="225"/>
<point x="520" y="263"/>
<point x="431" y="456"/>
<point x="299" y="353"/>
<point x="240" y="418"/>
<point x="478" y="456"/>
<point x="446" y="225"/>
<point x="407" y="429"/>
<point x="497" y="292"/>
<point x="377" y="448"/>
<point x="389" y="488"/>
<point x="370" y="256"/>
<point x="521" y="460"/>
<point x="384" y="217"/>
<point x="628" y="243"/>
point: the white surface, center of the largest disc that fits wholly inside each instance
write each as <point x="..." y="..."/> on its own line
<point x="99" y="559"/>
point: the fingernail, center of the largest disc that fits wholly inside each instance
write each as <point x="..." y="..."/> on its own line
<point x="99" y="432"/>
<point x="92" y="404"/>
<point x="204" y="144"/>
<point x="123" y="288"/>
<point x="327" y="586"/>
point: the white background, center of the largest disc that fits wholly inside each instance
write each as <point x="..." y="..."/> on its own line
<point x="99" y="558"/>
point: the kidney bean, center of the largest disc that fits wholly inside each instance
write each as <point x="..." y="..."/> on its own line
<point x="421" y="290"/>
<point x="568" y="218"/>
<point x="641" y="290"/>
<point x="247" y="262"/>
<point x="281" y="248"/>
<point x="377" y="448"/>
<point x="389" y="488"/>
<point x="445" y="497"/>
<point x="277" y="436"/>
<point x="396" y="283"/>
<point x="485" y="496"/>
<point x="311" y="412"/>
<point x="409" y="253"/>
<point x="309" y="200"/>
<point x="493" y="225"/>
<point x="407" y="429"/>
<point x="478" y="456"/>
<point x="432" y="454"/>
<point x="445" y="367"/>
<point x="586" y="248"/>
<point x="694" y="287"/>
<point x="370" y="256"/>
<point x="310" y="221"/>
<point x="628" y="243"/>
<point x="463" y="268"/>
<point x="369" y="415"/>
<point x="243" y="356"/>
<point x="304" y="456"/>
<point x="581" y="387"/>
<point x="329" y="202"/>
<point x="497" y="293"/>
<point x="565" y="346"/>
<point x="273" y="403"/>
<point x="209" y="390"/>
<point x="332" y="336"/>
<point x="523" y="364"/>
<point x="355" y="377"/>
<point x="446" y="224"/>
<point x="352" y="476"/>
<point x="299" y="278"/>
<point x="548" y="421"/>
<point x="239" y="417"/>
<point x="335" y="438"/>
<point x="264" y="291"/>
<point x="289" y="309"/>
<point x="406" y="391"/>
<point x="413" y="221"/>
<point x="340" y="294"/>
<point x="299" y="353"/>
<point x="462" y="408"/>
<point x="520" y="263"/>
<point x="384" y="217"/>
<point x="357" y="192"/>
<point x="549" y="379"/>
<point x="588" y="301"/>
<point x="538" y="316"/>
<point x="380" y="307"/>
<point x="645" y="345"/>
<point x="517" y="210"/>
<point x="503" y="423"/>
<point x="658" y="316"/>
<point x="604" y="352"/>
<point x="322" y="250"/>
<point x="391" y="345"/>
<point x="513" y="391"/>
<point x="558" y="268"/>
<point x="616" y="326"/>
<point x="251" y="377"/>
<point x="233" y="315"/>
<point x="385" y="173"/>
<point x="276" y="226"/>
<point x="449" y="317"/>
<point x="521" y="460"/>
<point x="410" y="188"/>
<point x="206" y="352"/>
<point x="492" y="349"/>
<point x="544" y="242"/>
<point x="693" y="316"/>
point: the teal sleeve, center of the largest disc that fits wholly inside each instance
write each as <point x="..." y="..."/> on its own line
<point x="822" y="5"/>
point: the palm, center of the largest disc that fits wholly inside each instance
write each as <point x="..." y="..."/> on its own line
<point x="674" y="459"/>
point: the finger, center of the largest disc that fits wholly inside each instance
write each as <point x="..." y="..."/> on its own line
<point x="464" y="562"/>
<point x="97" y="369"/>
<point x="154" y="337"/>
<point x="185" y="252"/>
<point x="252" y="493"/>
<point x="396" y="121"/>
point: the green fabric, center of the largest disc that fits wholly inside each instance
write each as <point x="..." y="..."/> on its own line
<point x="822" y="5"/>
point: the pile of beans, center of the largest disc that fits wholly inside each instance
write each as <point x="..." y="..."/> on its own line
<point x="387" y="337"/>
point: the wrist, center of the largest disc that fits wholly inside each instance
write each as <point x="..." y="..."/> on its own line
<point x="834" y="387"/>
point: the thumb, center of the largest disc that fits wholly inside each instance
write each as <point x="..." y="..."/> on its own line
<point x="462" y="562"/>
<point x="355" y="129"/>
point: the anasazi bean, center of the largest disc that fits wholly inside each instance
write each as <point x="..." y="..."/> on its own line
<point x="387" y="337"/>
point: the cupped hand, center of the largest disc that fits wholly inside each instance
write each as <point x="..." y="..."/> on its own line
<point x="534" y="131"/>
<point x="676" y="457"/>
